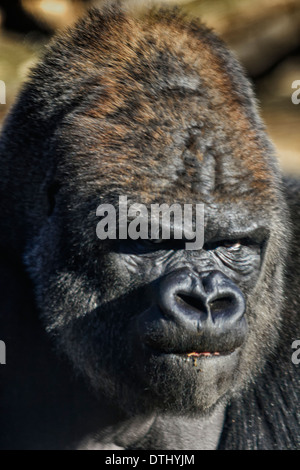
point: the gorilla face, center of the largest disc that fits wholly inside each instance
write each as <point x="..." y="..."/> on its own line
<point x="153" y="325"/>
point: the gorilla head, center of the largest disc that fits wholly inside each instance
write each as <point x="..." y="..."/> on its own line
<point x="155" y="109"/>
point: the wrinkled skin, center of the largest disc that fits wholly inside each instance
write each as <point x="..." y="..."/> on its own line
<point x="164" y="116"/>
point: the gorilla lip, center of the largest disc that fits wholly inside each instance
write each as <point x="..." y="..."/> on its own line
<point x="204" y="353"/>
<point x="210" y="353"/>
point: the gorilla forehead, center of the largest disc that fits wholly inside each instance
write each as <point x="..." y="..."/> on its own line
<point x="162" y="102"/>
<point x="193" y="163"/>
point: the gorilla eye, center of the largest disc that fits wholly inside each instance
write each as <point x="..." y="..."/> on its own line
<point x="150" y="246"/>
<point x="232" y="246"/>
<point x="159" y="243"/>
<point x="156" y="244"/>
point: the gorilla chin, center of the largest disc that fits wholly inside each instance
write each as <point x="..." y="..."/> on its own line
<point x="188" y="385"/>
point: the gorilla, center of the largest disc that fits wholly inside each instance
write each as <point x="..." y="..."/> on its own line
<point x="143" y="344"/>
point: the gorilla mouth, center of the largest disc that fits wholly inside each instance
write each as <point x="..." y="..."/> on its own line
<point x="204" y="353"/>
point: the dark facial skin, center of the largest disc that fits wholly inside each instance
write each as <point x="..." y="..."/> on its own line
<point x="193" y="326"/>
<point x="158" y="303"/>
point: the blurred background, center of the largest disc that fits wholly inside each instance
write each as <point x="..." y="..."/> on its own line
<point x="265" y="34"/>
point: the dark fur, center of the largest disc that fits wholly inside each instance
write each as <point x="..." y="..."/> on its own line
<point x="159" y="110"/>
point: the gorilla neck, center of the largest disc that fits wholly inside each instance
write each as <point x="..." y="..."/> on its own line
<point x="160" y="432"/>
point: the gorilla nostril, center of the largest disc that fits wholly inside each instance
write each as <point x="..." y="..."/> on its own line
<point x="206" y="301"/>
<point x="222" y="304"/>
<point x="195" y="302"/>
<point x="218" y="306"/>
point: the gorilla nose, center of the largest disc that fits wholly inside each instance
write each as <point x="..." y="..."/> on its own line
<point x="193" y="313"/>
<point x="206" y="301"/>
